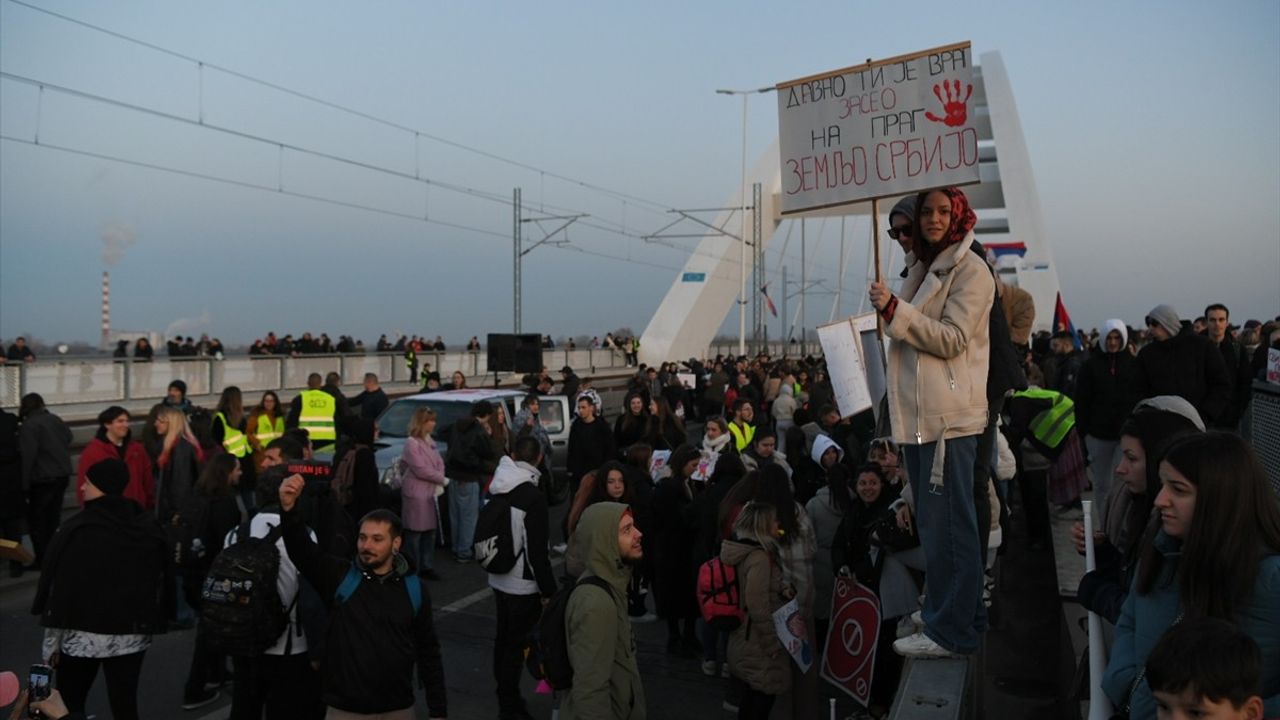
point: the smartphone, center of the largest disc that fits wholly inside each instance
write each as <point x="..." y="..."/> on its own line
<point x="39" y="683"/>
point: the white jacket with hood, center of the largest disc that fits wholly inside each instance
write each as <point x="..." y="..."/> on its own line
<point x="529" y="534"/>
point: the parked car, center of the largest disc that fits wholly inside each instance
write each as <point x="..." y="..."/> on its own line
<point x="453" y="405"/>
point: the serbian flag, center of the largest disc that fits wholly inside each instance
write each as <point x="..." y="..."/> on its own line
<point x="765" y="292"/>
<point x="1062" y="321"/>
<point x="1018" y="249"/>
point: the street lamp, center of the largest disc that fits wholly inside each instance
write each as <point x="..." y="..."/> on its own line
<point x="742" y="232"/>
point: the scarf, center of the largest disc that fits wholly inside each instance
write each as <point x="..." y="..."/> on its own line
<point x="714" y="446"/>
<point x="962" y="221"/>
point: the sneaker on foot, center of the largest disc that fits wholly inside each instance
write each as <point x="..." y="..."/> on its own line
<point x="906" y="627"/>
<point x="559" y="548"/>
<point x="921" y="646"/>
<point x="208" y="697"/>
<point x="710" y="668"/>
<point x="917" y="619"/>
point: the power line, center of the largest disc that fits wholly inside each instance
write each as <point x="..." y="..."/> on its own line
<point x="343" y="108"/>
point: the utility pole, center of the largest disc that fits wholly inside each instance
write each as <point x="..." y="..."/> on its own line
<point x="804" y="285"/>
<point x="520" y="251"/>
<point x="515" y="237"/>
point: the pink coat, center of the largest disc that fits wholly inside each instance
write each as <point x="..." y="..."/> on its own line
<point x="423" y="473"/>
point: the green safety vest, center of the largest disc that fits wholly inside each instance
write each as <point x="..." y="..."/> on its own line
<point x="235" y="442"/>
<point x="742" y="438"/>
<point x="316" y="417"/>
<point x="1050" y="426"/>
<point x="267" y="431"/>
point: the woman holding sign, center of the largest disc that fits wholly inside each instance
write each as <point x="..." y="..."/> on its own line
<point x="937" y="386"/>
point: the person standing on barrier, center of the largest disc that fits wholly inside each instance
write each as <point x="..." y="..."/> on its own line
<point x="938" y="361"/>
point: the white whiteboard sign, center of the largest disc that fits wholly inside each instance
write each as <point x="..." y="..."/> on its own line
<point x="842" y="345"/>
<point x="880" y="129"/>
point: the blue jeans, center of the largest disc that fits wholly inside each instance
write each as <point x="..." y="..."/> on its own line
<point x="954" y="615"/>
<point x="420" y="548"/>
<point x="464" y="508"/>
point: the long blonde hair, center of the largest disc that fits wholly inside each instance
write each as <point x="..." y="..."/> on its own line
<point x="418" y="423"/>
<point x="178" y="428"/>
<point x="756" y="522"/>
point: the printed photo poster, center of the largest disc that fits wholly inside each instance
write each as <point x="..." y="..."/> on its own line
<point x="850" y="657"/>
<point x="792" y="632"/>
<point x="879" y="129"/>
<point x="659" y="465"/>
<point x="706" y="466"/>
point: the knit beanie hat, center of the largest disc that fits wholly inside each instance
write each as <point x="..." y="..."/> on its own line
<point x="1167" y="317"/>
<point x="906" y="206"/>
<point x="182" y="386"/>
<point x="110" y="476"/>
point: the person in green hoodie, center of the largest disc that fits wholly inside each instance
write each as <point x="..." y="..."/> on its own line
<point x="602" y="646"/>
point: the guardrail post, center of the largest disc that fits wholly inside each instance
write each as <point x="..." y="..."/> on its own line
<point x="22" y="381"/>
<point x="128" y="379"/>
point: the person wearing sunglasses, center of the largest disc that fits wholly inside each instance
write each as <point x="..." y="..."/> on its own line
<point x="938" y="360"/>
<point x="901" y="220"/>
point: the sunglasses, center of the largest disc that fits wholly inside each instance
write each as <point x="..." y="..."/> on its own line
<point x="898" y="232"/>
<point x="886" y="444"/>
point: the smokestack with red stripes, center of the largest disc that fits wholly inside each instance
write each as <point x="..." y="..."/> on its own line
<point x="106" y="310"/>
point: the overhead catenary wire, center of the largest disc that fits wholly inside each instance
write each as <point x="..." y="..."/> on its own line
<point x="603" y="224"/>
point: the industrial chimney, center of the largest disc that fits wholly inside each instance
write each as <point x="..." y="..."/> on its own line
<point x="106" y="310"/>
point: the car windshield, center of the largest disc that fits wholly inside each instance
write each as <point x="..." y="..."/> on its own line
<point x="394" y="421"/>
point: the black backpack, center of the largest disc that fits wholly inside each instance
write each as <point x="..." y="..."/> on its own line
<point x="549" y="653"/>
<point x="185" y="533"/>
<point x="241" y="613"/>
<point x="494" y="543"/>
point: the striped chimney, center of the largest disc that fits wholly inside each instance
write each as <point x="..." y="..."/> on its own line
<point x="106" y="310"/>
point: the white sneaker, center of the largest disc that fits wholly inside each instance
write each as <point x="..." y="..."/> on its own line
<point x="920" y="646"/>
<point x="917" y="619"/>
<point x="710" y="668"/>
<point x="559" y="548"/>
<point x="906" y="628"/>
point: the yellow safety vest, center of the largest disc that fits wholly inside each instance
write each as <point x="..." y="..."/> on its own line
<point x="742" y="438"/>
<point x="1051" y="426"/>
<point x="235" y="442"/>
<point x="268" y="432"/>
<point x="316" y="417"/>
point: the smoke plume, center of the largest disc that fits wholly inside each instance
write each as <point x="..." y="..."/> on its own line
<point x="116" y="238"/>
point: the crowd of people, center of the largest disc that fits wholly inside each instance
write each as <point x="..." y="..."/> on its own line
<point x="779" y="489"/>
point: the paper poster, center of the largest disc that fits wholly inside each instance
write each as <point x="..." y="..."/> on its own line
<point x="688" y="380"/>
<point x="879" y="129"/>
<point x="842" y="345"/>
<point x="659" y="465"/>
<point x="850" y="658"/>
<point x="706" y="466"/>
<point x="793" y="634"/>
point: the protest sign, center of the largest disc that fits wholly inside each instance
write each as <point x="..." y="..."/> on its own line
<point x="879" y="129"/>
<point x="842" y="345"/>
<point x="850" y="657"/>
<point x="793" y="634"/>
<point x="706" y="466"/>
<point x="660" y="465"/>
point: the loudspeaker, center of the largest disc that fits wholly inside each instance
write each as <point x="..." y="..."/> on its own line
<point x="515" y="353"/>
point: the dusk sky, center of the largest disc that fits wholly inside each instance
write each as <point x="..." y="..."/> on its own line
<point x="1153" y="130"/>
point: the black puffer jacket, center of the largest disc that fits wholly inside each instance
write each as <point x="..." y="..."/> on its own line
<point x="1189" y="366"/>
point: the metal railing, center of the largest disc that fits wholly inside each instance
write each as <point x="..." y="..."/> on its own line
<point x="86" y="380"/>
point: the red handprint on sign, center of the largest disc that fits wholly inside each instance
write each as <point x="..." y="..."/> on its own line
<point x="955" y="108"/>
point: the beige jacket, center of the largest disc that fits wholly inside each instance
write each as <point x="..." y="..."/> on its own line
<point x="940" y="348"/>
